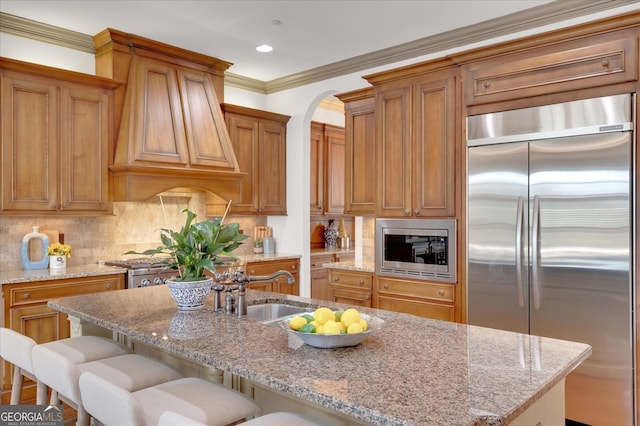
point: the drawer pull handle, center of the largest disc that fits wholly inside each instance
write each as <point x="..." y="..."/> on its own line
<point x="605" y="63"/>
<point x="26" y="296"/>
<point x="108" y="285"/>
<point x="416" y="212"/>
<point x="386" y="286"/>
<point x="407" y="212"/>
<point x="440" y="292"/>
<point x="367" y="297"/>
<point x="336" y="279"/>
<point x="361" y="282"/>
<point x="486" y="84"/>
<point x="293" y="267"/>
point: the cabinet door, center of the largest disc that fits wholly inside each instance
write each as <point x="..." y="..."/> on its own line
<point x="279" y="284"/>
<point x="335" y="148"/>
<point x="29" y="143"/>
<point x="316" y="191"/>
<point x="320" y="276"/>
<point x="434" y="120"/>
<point x="155" y="120"/>
<point x="359" y="192"/>
<point x="84" y="149"/>
<point x="273" y="168"/>
<point x="393" y="149"/>
<point x="244" y="134"/>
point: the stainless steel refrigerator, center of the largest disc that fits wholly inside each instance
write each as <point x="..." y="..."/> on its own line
<point x="550" y="241"/>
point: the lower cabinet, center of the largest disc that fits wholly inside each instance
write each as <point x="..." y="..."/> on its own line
<point x="279" y="284"/>
<point x="25" y="310"/>
<point x="421" y="298"/>
<point x="320" y="276"/>
<point x="351" y="287"/>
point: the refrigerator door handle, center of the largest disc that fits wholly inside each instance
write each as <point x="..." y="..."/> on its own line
<point x="519" y="229"/>
<point x="535" y="252"/>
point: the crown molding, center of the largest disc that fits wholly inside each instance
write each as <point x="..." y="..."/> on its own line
<point x="545" y="14"/>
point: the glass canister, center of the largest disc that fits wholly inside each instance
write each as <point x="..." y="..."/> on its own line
<point x="29" y="239"/>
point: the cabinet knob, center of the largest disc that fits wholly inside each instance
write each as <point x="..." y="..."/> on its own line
<point x="336" y="279"/>
<point x="486" y="84"/>
<point x="314" y="264"/>
<point x="293" y="267"/>
<point x="361" y="282"/>
<point x="407" y="212"/>
<point x="26" y="296"/>
<point x="367" y="297"/>
<point x="605" y="63"/>
<point x="416" y="212"/>
<point x="440" y="292"/>
<point x="64" y="205"/>
<point x="386" y="286"/>
<point x="108" y="285"/>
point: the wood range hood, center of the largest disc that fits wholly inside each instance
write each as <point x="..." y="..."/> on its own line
<point x="169" y="127"/>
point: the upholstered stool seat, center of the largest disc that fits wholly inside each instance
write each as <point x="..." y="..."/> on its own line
<point x="61" y="370"/>
<point x="197" y="400"/>
<point x="169" y="418"/>
<point x="16" y="349"/>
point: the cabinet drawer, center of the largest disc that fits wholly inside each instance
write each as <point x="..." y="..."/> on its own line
<point x="349" y="297"/>
<point x="578" y="64"/>
<point x="419" y="308"/>
<point x="360" y="281"/>
<point x="63" y="288"/>
<point x="318" y="260"/>
<point x="440" y="292"/>
<point x="265" y="268"/>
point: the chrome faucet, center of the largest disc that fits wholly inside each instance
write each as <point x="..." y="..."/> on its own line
<point x="239" y="281"/>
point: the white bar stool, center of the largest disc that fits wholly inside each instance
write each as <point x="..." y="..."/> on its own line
<point x="169" y="418"/>
<point x="59" y="365"/>
<point x="197" y="400"/>
<point x="16" y="349"/>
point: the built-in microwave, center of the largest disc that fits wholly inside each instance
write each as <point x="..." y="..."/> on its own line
<point x="416" y="248"/>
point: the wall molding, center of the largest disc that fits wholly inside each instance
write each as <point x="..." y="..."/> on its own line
<point x="545" y="14"/>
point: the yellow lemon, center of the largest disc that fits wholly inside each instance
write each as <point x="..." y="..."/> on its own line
<point x="364" y="325"/>
<point x="350" y="316"/>
<point x="323" y="315"/>
<point x="315" y="323"/>
<point x="341" y="325"/>
<point x="331" y="327"/>
<point x="296" y="323"/>
<point x="319" y="329"/>
<point x="354" y="328"/>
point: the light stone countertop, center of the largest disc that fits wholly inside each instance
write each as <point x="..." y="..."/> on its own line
<point x="413" y="371"/>
<point x="352" y="265"/>
<point x="80" y="271"/>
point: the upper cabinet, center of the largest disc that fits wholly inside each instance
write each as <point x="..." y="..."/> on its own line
<point x="259" y="139"/>
<point x="588" y="62"/>
<point x="56" y="138"/>
<point x="327" y="169"/>
<point x="359" y="157"/>
<point x="416" y="143"/>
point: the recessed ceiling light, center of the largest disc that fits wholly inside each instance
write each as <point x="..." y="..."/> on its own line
<point x="263" y="48"/>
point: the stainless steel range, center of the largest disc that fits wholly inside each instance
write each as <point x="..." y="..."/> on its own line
<point x="143" y="271"/>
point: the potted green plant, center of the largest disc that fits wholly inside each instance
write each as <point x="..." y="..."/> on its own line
<point x="196" y="248"/>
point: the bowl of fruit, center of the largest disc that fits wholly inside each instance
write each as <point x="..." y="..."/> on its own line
<point x="328" y="328"/>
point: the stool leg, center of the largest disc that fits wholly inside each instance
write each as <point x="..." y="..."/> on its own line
<point x="83" y="416"/>
<point x="41" y="393"/>
<point x="16" y="389"/>
<point x="54" y="400"/>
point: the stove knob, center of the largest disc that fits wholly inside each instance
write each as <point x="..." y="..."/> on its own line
<point x="145" y="282"/>
<point x="158" y="281"/>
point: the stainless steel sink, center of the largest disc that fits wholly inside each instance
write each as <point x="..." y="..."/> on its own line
<point x="271" y="312"/>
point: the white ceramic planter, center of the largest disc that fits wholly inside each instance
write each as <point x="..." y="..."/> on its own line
<point x="190" y="295"/>
<point x="57" y="262"/>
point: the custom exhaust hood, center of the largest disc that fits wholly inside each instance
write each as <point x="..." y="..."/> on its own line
<point x="169" y="127"/>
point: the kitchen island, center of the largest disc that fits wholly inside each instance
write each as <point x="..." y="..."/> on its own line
<point x="413" y="371"/>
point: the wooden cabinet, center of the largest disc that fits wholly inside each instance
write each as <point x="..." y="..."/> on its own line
<point x="415" y="145"/>
<point x="279" y="284"/>
<point x="359" y="157"/>
<point x="259" y="139"/>
<point x="320" y="276"/>
<point x="25" y="310"/>
<point x="425" y="299"/>
<point x="56" y="136"/>
<point x="351" y="287"/>
<point x="610" y="58"/>
<point x="327" y="168"/>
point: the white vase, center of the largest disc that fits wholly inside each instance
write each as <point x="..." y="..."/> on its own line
<point x="190" y="295"/>
<point x="57" y="262"/>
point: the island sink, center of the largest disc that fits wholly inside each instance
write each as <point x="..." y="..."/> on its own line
<point x="271" y="312"/>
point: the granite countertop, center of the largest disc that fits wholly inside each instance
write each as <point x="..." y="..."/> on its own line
<point x="323" y="251"/>
<point x="89" y="270"/>
<point x="413" y="371"/>
<point x="352" y="265"/>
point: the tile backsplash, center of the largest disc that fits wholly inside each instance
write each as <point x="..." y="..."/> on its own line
<point x="133" y="226"/>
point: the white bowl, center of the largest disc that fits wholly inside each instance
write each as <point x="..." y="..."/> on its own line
<point x="333" y="340"/>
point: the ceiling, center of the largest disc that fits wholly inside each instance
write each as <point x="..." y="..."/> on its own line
<point x="321" y="37"/>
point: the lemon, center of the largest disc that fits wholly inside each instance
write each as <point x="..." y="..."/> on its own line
<point x="350" y="316"/>
<point x="355" y="328"/>
<point x="364" y="325"/>
<point x="331" y="327"/>
<point x="296" y="323"/>
<point x="308" y="328"/>
<point x="338" y="314"/>
<point x="315" y="323"/>
<point x="320" y="329"/>
<point x="341" y="325"/>
<point x="323" y="315"/>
